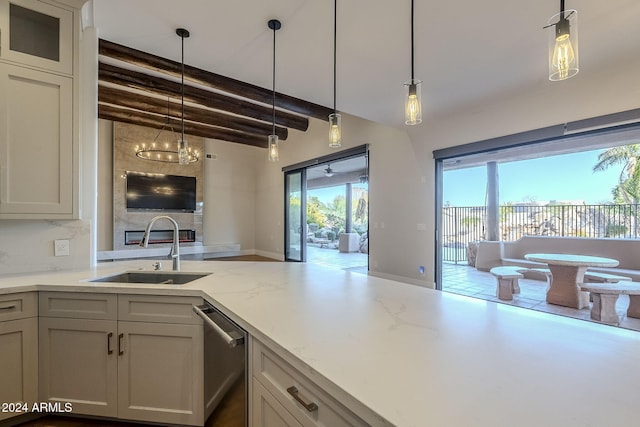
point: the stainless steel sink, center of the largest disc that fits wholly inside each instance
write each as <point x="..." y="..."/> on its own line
<point x="152" y="277"/>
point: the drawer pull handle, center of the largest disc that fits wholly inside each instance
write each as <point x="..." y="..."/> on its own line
<point x="120" y="344"/>
<point x="9" y="307"/>
<point x="109" y="349"/>
<point x="295" y="393"/>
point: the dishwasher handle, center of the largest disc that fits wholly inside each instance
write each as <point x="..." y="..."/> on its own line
<point x="232" y="338"/>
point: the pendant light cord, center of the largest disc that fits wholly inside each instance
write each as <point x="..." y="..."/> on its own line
<point x="273" y="105"/>
<point x="412" y="65"/>
<point x="182" y="86"/>
<point x="335" y="32"/>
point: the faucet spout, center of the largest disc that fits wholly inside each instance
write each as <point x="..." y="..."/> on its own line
<point x="174" y="253"/>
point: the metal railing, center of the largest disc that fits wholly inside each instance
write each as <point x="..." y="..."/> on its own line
<point x="461" y="225"/>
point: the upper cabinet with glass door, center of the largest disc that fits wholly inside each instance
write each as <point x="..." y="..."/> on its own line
<point x="37" y="34"/>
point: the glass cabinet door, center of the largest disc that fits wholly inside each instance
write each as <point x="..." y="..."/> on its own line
<point x="36" y="33"/>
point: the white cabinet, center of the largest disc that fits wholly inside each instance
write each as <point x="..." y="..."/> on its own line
<point x="38" y="111"/>
<point x="98" y="354"/>
<point x="78" y="364"/>
<point x="161" y="364"/>
<point x="37" y="34"/>
<point x="160" y="373"/>
<point x="78" y="355"/>
<point x="266" y="411"/>
<point x="18" y="350"/>
<point x="36" y="143"/>
<point x="282" y="395"/>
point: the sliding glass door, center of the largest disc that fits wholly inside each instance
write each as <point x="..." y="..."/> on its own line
<point x="295" y="215"/>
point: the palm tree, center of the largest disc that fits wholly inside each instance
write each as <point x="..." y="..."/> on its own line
<point x="628" y="156"/>
<point x="628" y="188"/>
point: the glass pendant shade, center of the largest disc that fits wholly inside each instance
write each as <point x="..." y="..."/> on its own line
<point x="563" y="45"/>
<point x="183" y="152"/>
<point x="335" y="130"/>
<point x="273" y="148"/>
<point x="413" y="102"/>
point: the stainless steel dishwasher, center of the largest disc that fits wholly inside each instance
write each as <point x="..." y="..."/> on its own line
<point x="225" y="357"/>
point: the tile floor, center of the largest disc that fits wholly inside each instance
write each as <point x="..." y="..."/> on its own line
<point x="465" y="280"/>
<point x="352" y="261"/>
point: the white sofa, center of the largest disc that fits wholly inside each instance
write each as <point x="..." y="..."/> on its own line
<point x="626" y="251"/>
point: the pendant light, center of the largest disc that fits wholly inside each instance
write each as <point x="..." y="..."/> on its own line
<point x="275" y="25"/>
<point x="335" y="120"/>
<point x="183" y="145"/>
<point x="563" y="44"/>
<point x="413" y="100"/>
<point x="163" y="152"/>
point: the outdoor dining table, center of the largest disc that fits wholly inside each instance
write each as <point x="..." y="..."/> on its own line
<point x="567" y="274"/>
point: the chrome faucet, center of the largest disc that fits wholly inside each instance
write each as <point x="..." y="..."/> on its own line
<point x="174" y="253"/>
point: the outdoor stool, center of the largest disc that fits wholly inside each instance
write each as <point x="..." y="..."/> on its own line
<point x="605" y="296"/>
<point x="507" y="281"/>
<point x="596" y="276"/>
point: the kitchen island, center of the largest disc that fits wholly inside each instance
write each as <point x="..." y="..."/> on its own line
<point x="398" y="354"/>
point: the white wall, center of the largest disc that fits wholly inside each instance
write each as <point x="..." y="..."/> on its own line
<point x="104" y="230"/>
<point x="396" y="195"/>
<point x="229" y="209"/>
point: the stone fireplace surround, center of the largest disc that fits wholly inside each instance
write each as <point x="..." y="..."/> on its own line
<point x="125" y="139"/>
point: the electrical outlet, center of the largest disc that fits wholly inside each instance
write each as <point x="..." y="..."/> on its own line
<point x="61" y="247"/>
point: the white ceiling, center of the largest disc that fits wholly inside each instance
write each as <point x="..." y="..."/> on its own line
<point x="467" y="52"/>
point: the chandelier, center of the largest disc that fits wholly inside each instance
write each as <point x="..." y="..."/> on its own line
<point x="163" y="152"/>
<point x="180" y="153"/>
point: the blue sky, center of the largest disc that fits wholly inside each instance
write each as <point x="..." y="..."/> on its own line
<point x="567" y="177"/>
<point x="564" y="177"/>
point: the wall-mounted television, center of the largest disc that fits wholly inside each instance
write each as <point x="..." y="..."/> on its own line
<point x="154" y="191"/>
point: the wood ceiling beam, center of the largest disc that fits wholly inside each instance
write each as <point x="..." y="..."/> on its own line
<point x="109" y="112"/>
<point x="215" y="81"/>
<point x="159" y="86"/>
<point x="137" y="101"/>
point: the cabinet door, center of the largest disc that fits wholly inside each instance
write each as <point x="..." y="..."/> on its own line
<point x="160" y="373"/>
<point x="37" y="34"/>
<point x="78" y="364"/>
<point x="266" y="411"/>
<point x="19" y="362"/>
<point x="36" y="144"/>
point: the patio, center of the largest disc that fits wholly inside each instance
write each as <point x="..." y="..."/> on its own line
<point x="352" y="261"/>
<point x="463" y="279"/>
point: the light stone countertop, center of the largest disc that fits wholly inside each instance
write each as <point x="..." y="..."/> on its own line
<point x="414" y="356"/>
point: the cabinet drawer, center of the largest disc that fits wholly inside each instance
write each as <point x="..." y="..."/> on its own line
<point x="285" y="383"/>
<point x="18" y="306"/>
<point x="78" y="305"/>
<point x="162" y="309"/>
